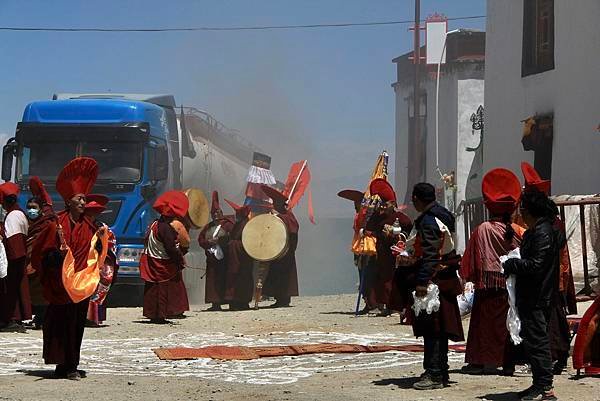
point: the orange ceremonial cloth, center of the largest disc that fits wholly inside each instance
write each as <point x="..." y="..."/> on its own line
<point x="224" y="352"/>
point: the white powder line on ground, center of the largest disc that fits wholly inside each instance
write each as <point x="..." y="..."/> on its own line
<point x="134" y="356"/>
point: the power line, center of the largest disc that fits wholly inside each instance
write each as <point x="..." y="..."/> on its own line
<point x="214" y="28"/>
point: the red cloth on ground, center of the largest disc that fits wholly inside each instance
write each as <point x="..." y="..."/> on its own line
<point x="239" y="281"/>
<point x="385" y="291"/>
<point x="488" y="342"/>
<point x="216" y="270"/>
<point x="282" y="279"/>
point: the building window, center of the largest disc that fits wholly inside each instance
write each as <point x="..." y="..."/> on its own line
<point x="538" y="36"/>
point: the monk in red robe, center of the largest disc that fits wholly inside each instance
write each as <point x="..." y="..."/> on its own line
<point x="239" y="281"/>
<point x="380" y="225"/>
<point x="15" y="304"/>
<point x="39" y="214"/>
<point x="214" y="238"/>
<point x="488" y="342"/>
<point x="163" y="260"/>
<point x="365" y="263"/>
<point x="36" y="218"/>
<point x="282" y="281"/>
<point x="63" y="240"/>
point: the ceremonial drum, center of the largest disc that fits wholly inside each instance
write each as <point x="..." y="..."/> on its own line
<point x="265" y="238"/>
<point x="198" y="211"/>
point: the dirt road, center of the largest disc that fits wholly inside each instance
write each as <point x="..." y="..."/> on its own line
<point x="121" y="365"/>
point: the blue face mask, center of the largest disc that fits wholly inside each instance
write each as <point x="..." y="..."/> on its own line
<point x="33" y="213"/>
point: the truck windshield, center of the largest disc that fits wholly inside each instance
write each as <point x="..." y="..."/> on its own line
<point x="117" y="161"/>
<point x="45" y="159"/>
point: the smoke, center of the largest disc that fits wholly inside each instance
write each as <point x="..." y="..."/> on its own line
<point x="265" y="113"/>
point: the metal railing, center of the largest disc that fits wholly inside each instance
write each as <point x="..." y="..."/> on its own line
<point x="475" y="213"/>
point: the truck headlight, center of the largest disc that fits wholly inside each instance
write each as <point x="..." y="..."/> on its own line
<point x="129" y="255"/>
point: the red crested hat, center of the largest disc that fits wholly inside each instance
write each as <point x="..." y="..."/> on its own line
<point x="533" y="179"/>
<point x="239" y="210"/>
<point x="274" y="194"/>
<point x="9" y="188"/>
<point x="501" y="191"/>
<point x="215" y="202"/>
<point x="100" y="199"/>
<point x="94" y="207"/>
<point x="77" y="177"/>
<point x="172" y="204"/>
<point x="381" y="187"/>
<point x="37" y="188"/>
<point x="352" y="195"/>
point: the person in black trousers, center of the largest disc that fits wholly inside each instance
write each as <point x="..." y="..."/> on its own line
<point x="537" y="288"/>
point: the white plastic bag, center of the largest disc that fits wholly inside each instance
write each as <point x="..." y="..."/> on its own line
<point x="465" y="300"/>
<point x="217" y="252"/>
<point x="3" y="261"/>
<point x="429" y="303"/>
<point x="513" y="322"/>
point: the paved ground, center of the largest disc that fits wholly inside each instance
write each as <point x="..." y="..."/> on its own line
<point x="121" y="365"/>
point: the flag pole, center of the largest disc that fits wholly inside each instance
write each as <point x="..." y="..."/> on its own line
<point x="297" y="179"/>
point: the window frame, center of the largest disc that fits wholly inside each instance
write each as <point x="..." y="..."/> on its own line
<point x="537" y="53"/>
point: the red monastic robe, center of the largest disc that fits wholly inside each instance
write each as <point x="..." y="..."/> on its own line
<point x="160" y="267"/>
<point x="216" y="270"/>
<point x="14" y="288"/>
<point x="488" y="340"/>
<point x="239" y="281"/>
<point x="65" y="321"/>
<point x="282" y="280"/>
<point x="383" y="288"/>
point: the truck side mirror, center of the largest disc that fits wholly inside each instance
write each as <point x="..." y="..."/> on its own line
<point x="158" y="163"/>
<point x="8" y="152"/>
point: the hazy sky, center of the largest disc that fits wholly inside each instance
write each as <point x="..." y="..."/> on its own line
<point x="321" y="94"/>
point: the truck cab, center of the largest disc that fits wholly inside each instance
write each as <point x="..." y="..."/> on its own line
<point x="136" y="144"/>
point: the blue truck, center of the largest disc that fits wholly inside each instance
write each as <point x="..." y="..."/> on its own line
<point x="144" y="145"/>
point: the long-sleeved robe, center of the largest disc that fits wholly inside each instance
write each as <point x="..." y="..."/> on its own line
<point x="64" y="321"/>
<point x="488" y="340"/>
<point x="216" y="270"/>
<point x="160" y="267"/>
<point x="239" y="281"/>
<point x="383" y="286"/>
<point x="282" y="280"/>
<point x="14" y="288"/>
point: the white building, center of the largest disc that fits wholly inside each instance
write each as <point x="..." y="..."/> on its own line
<point x="460" y="95"/>
<point x="543" y="61"/>
<point x="543" y="66"/>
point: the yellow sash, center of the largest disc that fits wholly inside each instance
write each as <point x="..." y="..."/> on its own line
<point x="364" y="245"/>
<point x="82" y="284"/>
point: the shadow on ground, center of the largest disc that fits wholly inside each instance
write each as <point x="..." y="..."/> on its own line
<point x="39" y="373"/>
<point x="507" y="396"/>
<point x="402" y="382"/>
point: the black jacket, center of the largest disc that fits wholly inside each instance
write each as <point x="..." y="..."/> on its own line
<point x="537" y="270"/>
<point x="430" y="239"/>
